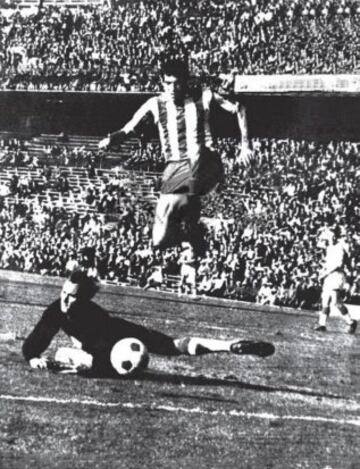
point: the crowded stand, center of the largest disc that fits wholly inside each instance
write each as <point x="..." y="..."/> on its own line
<point x="98" y="48"/>
<point x="266" y="228"/>
<point x="65" y="204"/>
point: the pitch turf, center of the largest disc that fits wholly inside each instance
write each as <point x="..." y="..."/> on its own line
<point x="296" y="409"/>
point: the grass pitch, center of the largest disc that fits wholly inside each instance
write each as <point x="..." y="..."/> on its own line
<point x="299" y="408"/>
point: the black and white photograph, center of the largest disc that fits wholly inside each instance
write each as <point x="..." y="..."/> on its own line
<point x="180" y="234"/>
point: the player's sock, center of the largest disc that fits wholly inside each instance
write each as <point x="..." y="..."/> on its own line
<point x="345" y="315"/>
<point x="322" y="319"/>
<point x="200" y="345"/>
<point x="352" y="327"/>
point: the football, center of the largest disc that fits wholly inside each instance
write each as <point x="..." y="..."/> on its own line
<point x="129" y="356"/>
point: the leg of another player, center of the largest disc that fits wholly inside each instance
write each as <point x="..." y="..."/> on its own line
<point x="195" y="230"/>
<point x="201" y="346"/>
<point x="339" y="305"/>
<point x="192" y="282"/>
<point x="167" y="223"/>
<point x="181" y="286"/>
<point x="325" y="311"/>
<point x="149" y="284"/>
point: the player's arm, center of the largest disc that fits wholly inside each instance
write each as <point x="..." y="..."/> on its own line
<point x="119" y="136"/>
<point x="40" y="338"/>
<point x="246" y="154"/>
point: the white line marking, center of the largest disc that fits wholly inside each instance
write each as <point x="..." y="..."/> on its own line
<point x="355" y="421"/>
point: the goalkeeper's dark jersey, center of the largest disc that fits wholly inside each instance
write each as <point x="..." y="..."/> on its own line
<point x="94" y="328"/>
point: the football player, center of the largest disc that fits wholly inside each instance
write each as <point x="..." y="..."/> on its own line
<point x="333" y="277"/>
<point x="193" y="168"/>
<point x="94" y="333"/>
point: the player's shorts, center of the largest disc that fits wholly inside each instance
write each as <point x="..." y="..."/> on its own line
<point x="333" y="282"/>
<point x="188" y="274"/>
<point x="182" y="177"/>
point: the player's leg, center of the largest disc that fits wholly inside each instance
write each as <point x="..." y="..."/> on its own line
<point x="326" y="297"/>
<point x="177" y="219"/>
<point x="194" y="228"/>
<point x="192" y="282"/>
<point x="185" y="281"/>
<point x="342" y="309"/>
<point x="201" y="346"/>
<point x="163" y="344"/>
<point x="181" y="286"/>
<point x="167" y="230"/>
<point x="149" y="284"/>
<point x="207" y="173"/>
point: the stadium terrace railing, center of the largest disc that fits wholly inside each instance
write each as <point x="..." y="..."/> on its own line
<point x="298" y="85"/>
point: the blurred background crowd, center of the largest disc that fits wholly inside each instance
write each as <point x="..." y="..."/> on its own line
<point x="96" y="48"/>
<point x="266" y="228"/>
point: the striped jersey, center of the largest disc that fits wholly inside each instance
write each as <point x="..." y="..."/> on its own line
<point x="184" y="129"/>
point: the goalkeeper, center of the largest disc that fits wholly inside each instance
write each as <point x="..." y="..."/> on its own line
<point x="94" y="332"/>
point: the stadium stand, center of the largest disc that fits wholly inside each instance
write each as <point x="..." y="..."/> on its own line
<point x="267" y="248"/>
<point x="35" y="4"/>
<point x="63" y="200"/>
<point x="92" y="48"/>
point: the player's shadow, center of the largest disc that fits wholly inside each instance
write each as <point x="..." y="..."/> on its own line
<point x="233" y="382"/>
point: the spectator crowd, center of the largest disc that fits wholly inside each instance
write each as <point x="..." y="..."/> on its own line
<point x="96" y="48"/>
<point x="266" y="228"/>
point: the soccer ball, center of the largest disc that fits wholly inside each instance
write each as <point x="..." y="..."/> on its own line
<point x="128" y="356"/>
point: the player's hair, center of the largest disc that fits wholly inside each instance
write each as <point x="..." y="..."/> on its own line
<point x="175" y="67"/>
<point x="88" y="287"/>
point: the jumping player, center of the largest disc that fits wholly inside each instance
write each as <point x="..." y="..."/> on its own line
<point x="94" y="332"/>
<point x="333" y="277"/>
<point x="193" y="168"/>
